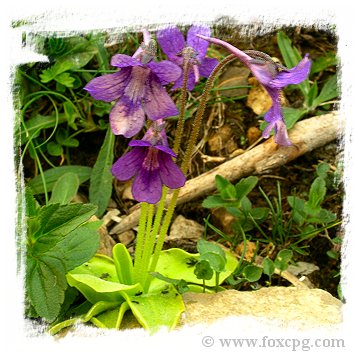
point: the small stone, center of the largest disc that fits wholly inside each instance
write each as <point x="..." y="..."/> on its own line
<point x="127" y="237"/>
<point x="234" y="76"/>
<point x="249" y="251"/>
<point x="302" y="268"/>
<point x="253" y="134"/>
<point x="186" y="228"/>
<point x="217" y="142"/>
<point x="223" y="220"/>
<point x="106" y="241"/>
<point x="127" y="191"/>
<point x="258" y="98"/>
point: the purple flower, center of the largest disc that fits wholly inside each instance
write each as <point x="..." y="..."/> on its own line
<point x="273" y="77"/>
<point x="172" y="42"/>
<point x="138" y="87"/>
<point x="150" y="163"/>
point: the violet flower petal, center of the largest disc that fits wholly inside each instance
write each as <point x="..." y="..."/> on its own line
<point x="126" y="119"/>
<point x="294" y="75"/>
<point x="207" y="66"/>
<point x="121" y="61"/>
<point x="190" y="81"/>
<point x="139" y="143"/>
<point x="166" y="71"/>
<point x="147" y="186"/>
<point x="157" y="103"/>
<point x="171" y="41"/>
<point x="281" y="136"/>
<point x="276" y="122"/>
<point x="109" y="87"/>
<point x="136" y="85"/>
<point x="129" y="164"/>
<point x="198" y="44"/>
<point x="170" y="174"/>
<point x="166" y="149"/>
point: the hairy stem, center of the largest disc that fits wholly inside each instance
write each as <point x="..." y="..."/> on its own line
<point x="140" y="241"/>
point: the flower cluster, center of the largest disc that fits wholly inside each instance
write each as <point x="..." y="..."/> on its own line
<point x="138" y="88"/>
<point x="273" y="77"/>
<point x="139" y="92"/>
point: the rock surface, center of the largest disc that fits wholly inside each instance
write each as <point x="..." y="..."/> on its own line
<point x="303" y="308"/>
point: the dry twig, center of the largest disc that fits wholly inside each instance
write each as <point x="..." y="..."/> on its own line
<point x="306" y="136"/>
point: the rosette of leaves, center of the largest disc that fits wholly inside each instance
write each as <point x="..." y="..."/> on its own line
<point x="110" y="291"/>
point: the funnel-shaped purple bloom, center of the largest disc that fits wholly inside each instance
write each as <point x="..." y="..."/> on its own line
<point x="138" y="87"/>
<point x="150" y="163"/>
<point x="172" y="42"/>
<point x="273" y="77"/>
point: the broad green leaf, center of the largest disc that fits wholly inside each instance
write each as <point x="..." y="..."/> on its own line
<point x="37" y="123"/>
<point x="79" y="246"/>
<point x="79" y="59"/>
<point x="298" y="209"/>
<point x="317" y="193"/>
<point x="65" y="79"/>
<point x="268" y="266"/>
<point x="52" y="175"/>
<point x="216" y="261"/>
<point x="101" y="177"/>
<point x="216" y="201"/>
<point x="212" y="253"/>
<point x="259" y="213"/>
<point x="289" y="53"/>
<point x="221" y="182"/>
<point x="63" y="219"/>
<point x="31" y="205"/>
<point x="203" y="270"/>
<point x="65" y="189"/>
<point x="204" y="246"/>
<point x="45" y="284"/>
<point x="71" y="114"/>
<point x="322" y="216"/>
<point x="292" y="115"/>
<point x="175" y="263"/>
<point x="245" y="185"/>
<point x="282" y="259"/>
<point x="322" y="63"/>
<point x="62" y="138"/>
<point x="100" y="307"/>
<point x="245" y="205"/>
<point x="313" y="92"/>
<point x="95" y="289"/>
<point x="101" y="266"/>
<point x="55" y="70"/>
<point x="111" y="318"/>
<point x="291" y="57"/>
<point x="329" y="91"/>
<point x="252" y="273"/>
<point x="225" y="188"/>
<point x="54" y="149"/>
<point x="161" y="309"/>
<point x="322" y="170"/>
<point x="123" y="263"/>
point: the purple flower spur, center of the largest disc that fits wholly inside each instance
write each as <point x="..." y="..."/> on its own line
<point x="172" y="42"/>
<point x="273" y="77"/>
<point x="150" y="163"/>
<point x="138" y="87"/>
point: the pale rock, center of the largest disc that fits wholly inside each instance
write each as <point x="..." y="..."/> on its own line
<point x="286" y="306"/>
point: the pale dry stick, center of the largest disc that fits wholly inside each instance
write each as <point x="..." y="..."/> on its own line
<point x="306" y="136"/>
